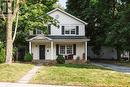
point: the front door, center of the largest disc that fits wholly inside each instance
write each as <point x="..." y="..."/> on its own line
<point x="42" y="51"/>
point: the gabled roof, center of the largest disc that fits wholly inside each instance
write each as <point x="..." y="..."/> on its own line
<point x="40" y="37"/>
<point x="58" y="9"/>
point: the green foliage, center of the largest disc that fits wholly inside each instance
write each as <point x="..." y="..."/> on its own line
<point x="33" y="15"/>
<point x="2" y="53"/>
<point x="60" y="59"/>
<point x="108" y="21"/>
<point x="28" y="57"/>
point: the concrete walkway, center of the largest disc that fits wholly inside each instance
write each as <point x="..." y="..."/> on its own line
<point x="123" y="69"/>
<point x="2" y="84"/>
<point x="30" y="74"/>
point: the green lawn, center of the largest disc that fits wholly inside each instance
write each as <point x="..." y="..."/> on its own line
<point x="81" y="75"/>
<point x="13" y="72"/>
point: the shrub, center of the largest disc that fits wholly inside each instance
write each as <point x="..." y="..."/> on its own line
<point x="28" y="57"/>
<point x="60" y="59"/>
<point x="2" y="55"/>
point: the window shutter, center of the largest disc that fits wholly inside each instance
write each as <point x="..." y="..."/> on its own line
<point x="74" y="49"/>
<point x="63" y="28"/>
<point x="77" y="30"/>
<point x="57" y="49"/>
<point x="34" y="31"/>
<point x="49" y="29"/>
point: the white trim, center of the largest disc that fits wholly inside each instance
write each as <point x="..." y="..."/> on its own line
<point x="86" y="50"/>
<point x="66" y="48"/>
<point x="58" y="9"/>
<point x="40" y="35"/>
<point x="30" y="47"/>
<point x="52" y="53"/>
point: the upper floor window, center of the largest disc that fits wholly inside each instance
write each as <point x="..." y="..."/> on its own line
<point x="70" y="30"/>
<point x="38" y="31"/>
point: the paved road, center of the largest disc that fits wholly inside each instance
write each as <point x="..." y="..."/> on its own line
<point x="118" y="68"/>
<point x="2" y="84"/>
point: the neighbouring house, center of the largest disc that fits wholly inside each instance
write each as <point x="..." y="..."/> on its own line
<point x="68" y="39"/>
<point x="105" y="53"/>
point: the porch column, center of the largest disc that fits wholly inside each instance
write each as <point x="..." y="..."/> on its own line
<point x="30" y="47"/>
<point x="52" y="56"/>
<point x="86" y="50"/>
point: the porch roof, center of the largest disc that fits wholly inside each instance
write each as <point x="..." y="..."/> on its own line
<point x="67" y="37"/>
<point x="40" y="37"/>
<point x="59" y="38"/>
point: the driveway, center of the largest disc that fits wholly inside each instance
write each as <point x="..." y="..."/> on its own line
<point x="3" y="84"/>
<point x="117" y="68"/>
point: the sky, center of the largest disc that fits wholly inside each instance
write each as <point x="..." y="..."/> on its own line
<point x="63" y="3"/>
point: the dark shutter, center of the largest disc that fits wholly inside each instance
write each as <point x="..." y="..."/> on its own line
<point x="49" y="29"/>
<point x="63" y="28"/>
<point x="34" y="31"/>
<point x="57" y="49"/>
<point x="74" y="49"/>
<point x="77" y="30"/>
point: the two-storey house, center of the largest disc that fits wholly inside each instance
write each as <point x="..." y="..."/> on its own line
<point x="68" y="39"/>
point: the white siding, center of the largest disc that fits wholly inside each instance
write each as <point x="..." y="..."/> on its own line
<point x="65" y="20"/>
<point x="35" y="50"/>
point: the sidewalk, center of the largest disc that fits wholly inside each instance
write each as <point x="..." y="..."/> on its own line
<point x="123" y="69"/>
<point x="30" y="74"/>
<point x="2" y="84"/>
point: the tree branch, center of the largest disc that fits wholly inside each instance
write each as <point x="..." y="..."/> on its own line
<point x="16" y="26"/>
<point x="16" y="9"/>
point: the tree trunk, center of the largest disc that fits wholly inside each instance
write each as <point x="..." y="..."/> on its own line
<point x="9" y="41"/>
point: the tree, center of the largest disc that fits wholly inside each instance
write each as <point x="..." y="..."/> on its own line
<point x="11" y="12"/>
<point x="27" y="11"/>
<point x="108" y="22"/>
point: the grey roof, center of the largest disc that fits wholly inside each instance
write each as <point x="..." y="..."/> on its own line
<point x="67" y="37"/>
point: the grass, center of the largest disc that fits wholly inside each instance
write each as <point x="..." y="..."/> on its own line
<point x="13" y="72"/>
<point x="81" y="75"/>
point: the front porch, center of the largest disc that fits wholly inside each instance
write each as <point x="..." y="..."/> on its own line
<point x="44" y="48"/>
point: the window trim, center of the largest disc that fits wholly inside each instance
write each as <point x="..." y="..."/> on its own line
<point x="70" y="30"/>
<point x="60" y="49"/>
<point x="66" y="49"/>
<point x="37" y="30"/>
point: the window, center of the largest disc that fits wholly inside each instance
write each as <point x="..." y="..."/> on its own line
<point x="73" y="31"/>
<point x="69" y="49"/>
<point x="67" y="31"/>
<point x="62" y="49"/>
<point x="66" y="49"/>
<point x="38" y="31"/>
<point x="70" y="30"/>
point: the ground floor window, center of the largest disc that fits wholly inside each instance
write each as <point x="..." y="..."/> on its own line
<point x="69" y="49"/>
<point x="62" y="49"/>
<point x="66" y="49"/>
